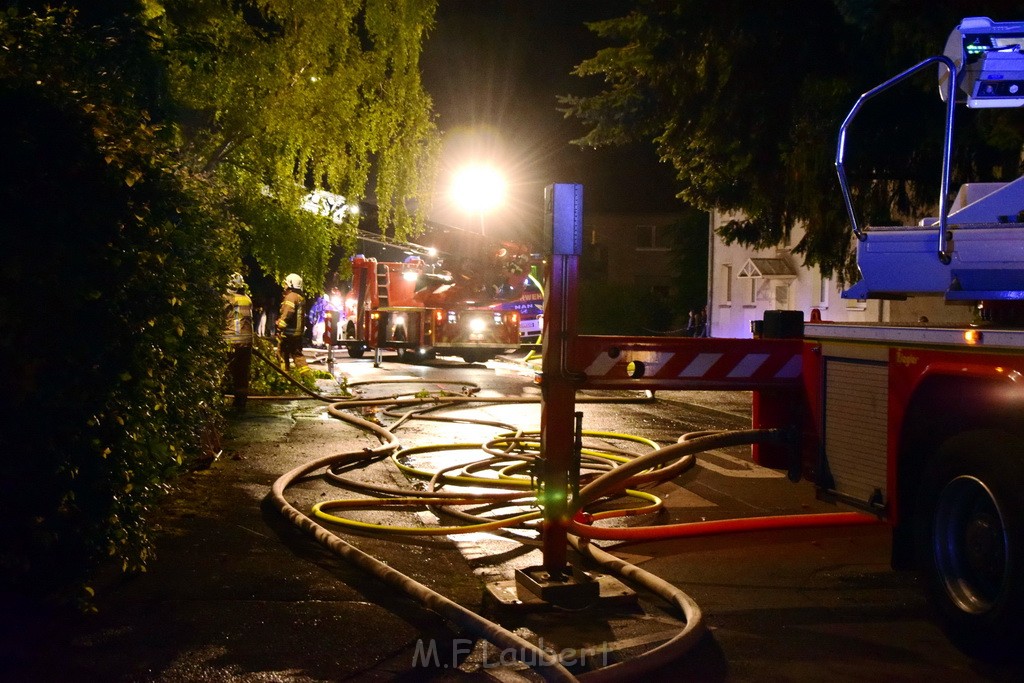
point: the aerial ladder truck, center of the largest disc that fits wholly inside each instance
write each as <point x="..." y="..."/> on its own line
<point x="920" y="425"/>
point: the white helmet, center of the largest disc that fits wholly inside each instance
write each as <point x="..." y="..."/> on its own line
<point x="293" y="281"/>
<point x="236" y="282"/>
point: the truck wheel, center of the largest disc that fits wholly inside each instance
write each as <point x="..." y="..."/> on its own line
<point x="356" y="350"/>
<point x="971" y="528"/>
<point x="476" y="356"/>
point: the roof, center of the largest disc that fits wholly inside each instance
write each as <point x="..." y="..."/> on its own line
<point x="767" y="267"/>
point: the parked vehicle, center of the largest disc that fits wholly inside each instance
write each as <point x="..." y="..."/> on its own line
<point x="407" y="307"/>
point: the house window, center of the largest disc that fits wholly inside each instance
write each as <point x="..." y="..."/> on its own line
<point x="726" y="280"/>
<point x="652" y="238"/>
<point x="751" y="292"/>
<point x="821" y="295"/>
<point x="645" y="237"/>
<point x="782" y="297"/>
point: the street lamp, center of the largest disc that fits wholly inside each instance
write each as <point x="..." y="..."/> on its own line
<point x="478" y="189"/>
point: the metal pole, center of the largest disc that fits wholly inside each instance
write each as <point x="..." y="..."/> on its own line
<point x="563" y="219"/>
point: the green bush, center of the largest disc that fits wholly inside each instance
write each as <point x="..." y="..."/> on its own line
<point x="113" y="259"/>
<point x="265" y="380"/>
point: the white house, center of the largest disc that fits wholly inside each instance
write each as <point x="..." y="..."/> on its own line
<point x="743" y="283"/>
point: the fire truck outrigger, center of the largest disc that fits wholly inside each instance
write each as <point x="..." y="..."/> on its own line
<point x="920" y="425"/>
<point x="406" y="307"/>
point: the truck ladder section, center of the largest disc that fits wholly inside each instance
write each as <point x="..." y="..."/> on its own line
<point x="383" y="279"/>
<point x="973" y="252"/>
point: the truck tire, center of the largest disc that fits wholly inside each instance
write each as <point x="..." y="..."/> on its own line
<point x="971" y="529"/>
<point x="356" y="350"/>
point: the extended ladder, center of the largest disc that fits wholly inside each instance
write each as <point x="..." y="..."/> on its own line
<point x="383" y="279"/>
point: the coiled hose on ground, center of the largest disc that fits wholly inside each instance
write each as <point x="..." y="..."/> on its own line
<point x="614" y="473"/>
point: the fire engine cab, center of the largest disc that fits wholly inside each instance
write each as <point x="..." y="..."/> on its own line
<point x="406" y="307"/>
<point x="918" y="424"/>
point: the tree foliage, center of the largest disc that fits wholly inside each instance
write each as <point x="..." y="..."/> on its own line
<point x="146" y="145"/>
<point x="745" y="100"/>
<point x="690" y="261"/>
<point x="280" y="97"/>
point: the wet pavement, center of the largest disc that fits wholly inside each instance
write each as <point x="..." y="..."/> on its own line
<point x="238" y="594"/>
<point x="235" y="593"/>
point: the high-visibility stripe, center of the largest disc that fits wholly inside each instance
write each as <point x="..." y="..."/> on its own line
<point x="601" y="365"/>
<point x="653" y="361"/>
<point x="792" y="369"/>
<point x="700" y="365"/>
<point x="749" y="365"/>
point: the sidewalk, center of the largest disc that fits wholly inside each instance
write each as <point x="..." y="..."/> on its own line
<point x="236" y="594"/>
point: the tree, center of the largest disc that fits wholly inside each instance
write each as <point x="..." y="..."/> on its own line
<point x="144" y="144"/>
<point x="690" y="262"/>
<point x="745" y="100"/>
<point x="278" y="98"/>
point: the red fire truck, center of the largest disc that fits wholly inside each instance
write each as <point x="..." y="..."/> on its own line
<point x="924" y="425"/>
<point x="408" y="308"/>
<point x="523" y="293"/>
<point x="919" y="424"/>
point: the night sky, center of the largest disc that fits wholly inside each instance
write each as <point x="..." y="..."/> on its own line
<point x="494" y="69"/>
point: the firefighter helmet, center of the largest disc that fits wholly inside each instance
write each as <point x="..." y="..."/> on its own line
<point x="293" y="281"/>
<point x="236" y="282"/>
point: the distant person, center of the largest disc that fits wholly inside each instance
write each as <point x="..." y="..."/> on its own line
<point x="701" y="323"/>
<point x="238" y="334"/>
<point x="318" y="320"/>
<point x="291" y="324"/>
<point x="691" y="324"/>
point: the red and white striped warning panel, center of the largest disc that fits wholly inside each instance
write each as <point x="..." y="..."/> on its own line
<point x="686" y="363"/>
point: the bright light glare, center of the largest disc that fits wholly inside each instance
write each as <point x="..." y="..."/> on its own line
<point x="477" y="325"/>
<point x="478" y="188"/>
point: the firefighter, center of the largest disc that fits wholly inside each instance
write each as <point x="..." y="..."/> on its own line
<point x="238" y="334"/>
<point x="290" y="324"/>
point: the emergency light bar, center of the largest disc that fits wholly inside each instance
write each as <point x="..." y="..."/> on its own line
<point x="989" y="60"/>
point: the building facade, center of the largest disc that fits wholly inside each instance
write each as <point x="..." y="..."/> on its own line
<point x="743" y="283"/>
<point x="630" y="248"/>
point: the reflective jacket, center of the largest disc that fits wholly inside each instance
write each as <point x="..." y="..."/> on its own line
<point x="293" y="314"/>
<point x="238" y="319"/>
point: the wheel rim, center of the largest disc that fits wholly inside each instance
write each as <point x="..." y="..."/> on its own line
<point x="971" y="544"/>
